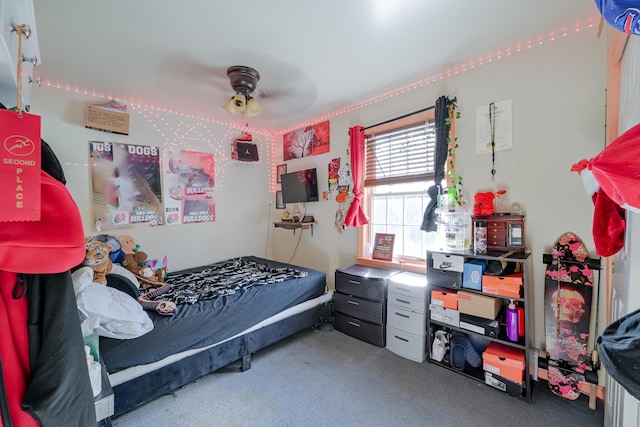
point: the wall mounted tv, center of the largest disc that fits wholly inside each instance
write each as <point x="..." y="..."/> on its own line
<point x="300" y="186"/>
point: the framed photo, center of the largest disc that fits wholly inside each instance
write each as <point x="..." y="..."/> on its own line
<point x="279" y="203"/>
<point x="383" y="246"/>
<point x="280" y="169"/>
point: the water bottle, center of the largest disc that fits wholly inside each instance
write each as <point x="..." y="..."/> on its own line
<point x="520" y="319"/>
<point x="512" y="322"/>
<point x="480" y="237"/>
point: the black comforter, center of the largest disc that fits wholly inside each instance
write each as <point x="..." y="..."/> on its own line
<point x="208" y="321"/>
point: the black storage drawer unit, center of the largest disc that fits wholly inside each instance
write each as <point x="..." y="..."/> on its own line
<point x="364" y="282"/>
<point x="370" y="311"/>
<point x="365" y="331"/>
<point x="360" y="302"/>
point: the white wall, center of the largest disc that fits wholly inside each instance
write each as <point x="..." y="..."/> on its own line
<point x="241" y="191"/>
<point x="558" y="96"/>
<point x="557" y="92"/>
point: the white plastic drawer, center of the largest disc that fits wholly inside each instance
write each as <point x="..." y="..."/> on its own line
<point x="409" y="321"/>
<point x="409" y="284"/>
<point x="407" y="302"/>
<point x="407" y="345"/>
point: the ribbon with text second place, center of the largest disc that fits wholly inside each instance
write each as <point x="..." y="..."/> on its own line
<point x="20" y="167"/>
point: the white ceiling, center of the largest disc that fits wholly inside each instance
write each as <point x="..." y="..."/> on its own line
<point x="314" y="56"/>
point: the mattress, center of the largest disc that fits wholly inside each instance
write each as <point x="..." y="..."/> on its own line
<point x="132" y="372"/>
<point x="210" y="321"/>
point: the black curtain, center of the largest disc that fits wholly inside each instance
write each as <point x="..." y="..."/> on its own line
<point x="442" y="132"/>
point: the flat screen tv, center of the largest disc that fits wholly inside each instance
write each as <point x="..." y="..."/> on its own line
<point x="300" y="186"/>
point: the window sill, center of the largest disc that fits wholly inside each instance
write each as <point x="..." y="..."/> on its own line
<point x="419" y="267"/>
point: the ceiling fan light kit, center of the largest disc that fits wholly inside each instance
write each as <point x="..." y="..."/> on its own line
<point x="244" y="81"/>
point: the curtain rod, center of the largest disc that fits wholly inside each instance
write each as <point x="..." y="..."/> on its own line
<point x="401" y="117"/>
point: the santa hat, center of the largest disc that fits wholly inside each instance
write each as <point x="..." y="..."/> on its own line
<point x="612" y="179"/>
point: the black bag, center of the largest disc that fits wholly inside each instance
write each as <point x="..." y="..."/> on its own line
<point x="619" y="346"/>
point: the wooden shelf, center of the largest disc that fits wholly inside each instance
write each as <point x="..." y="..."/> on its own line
<point x="291" y="225"/>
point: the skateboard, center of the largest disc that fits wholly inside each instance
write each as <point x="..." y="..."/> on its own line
<point x="568" y="295"/>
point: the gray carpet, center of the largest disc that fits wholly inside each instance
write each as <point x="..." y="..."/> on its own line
<point x="327" y="378"/>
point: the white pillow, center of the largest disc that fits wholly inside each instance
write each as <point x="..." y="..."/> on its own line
<point x="108" y="311"/>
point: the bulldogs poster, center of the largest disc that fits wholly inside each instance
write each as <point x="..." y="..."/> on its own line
<point x="188" y="186"/>
<point x="126" y="185"/>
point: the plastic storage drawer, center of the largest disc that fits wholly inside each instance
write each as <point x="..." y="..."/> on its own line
<point x="364" y="282"/>
<point x="369" y="311"/>
<point x="365" y="331"/>
<point x="406" y="345"/>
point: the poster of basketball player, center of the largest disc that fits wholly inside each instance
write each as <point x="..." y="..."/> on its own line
<point x="126" y="184"/>
<point x="188" y="186"/>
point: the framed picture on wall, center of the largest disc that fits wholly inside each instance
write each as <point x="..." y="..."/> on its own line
<point x="280" y="169"/>
<point x="279" y="203"/>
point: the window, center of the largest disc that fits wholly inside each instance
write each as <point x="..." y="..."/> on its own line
<point x="398" y="172"/>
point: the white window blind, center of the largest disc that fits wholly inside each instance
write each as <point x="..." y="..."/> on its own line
<point x="401" y="155"/>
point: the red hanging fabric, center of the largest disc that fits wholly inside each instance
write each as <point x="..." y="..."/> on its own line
<point x="14" y="349"/>
<point x="355" y="214"/>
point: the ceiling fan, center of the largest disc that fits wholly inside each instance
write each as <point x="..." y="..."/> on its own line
<point x="243" y="81"/>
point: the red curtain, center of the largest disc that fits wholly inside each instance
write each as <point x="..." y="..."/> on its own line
<point x="355" y="215"/>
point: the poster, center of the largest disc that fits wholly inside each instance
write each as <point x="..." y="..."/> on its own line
<point x="189" y="178"/>
<point x="494" y="121"/>
<point x="334" y="168"/>
<point x="309" y="141"/>
<point x="126" y="185"/>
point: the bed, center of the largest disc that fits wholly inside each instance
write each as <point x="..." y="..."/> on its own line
<point x="226" y="311"/>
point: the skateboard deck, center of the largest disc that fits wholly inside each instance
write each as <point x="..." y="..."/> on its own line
<point x="568" y="295"/>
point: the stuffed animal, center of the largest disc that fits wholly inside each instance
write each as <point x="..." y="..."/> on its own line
<point x="134" y="263"/>
<point x="97" y="257"/>
<point x="116" y="254"/>
<point x="483" y="203"/>
<point x="128" y="244"/>
<point x="160" y="269"/>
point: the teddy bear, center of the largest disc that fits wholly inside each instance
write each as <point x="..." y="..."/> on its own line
<point x="133" y="262"/>
<point x="138" y="263"/>
<point x="128" y="243"/>
<point x="483" y="203"/>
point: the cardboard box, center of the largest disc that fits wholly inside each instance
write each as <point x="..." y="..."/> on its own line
<point x="447" y="262"/>
<point x="472" y="274"/>
<point x="480" y="325"/>
<point x="503" y="360"/>
<point x="107" y="120"/>
<point x="507" y="286"/>
<point x="444" y="315"/>
<point x="446" y="299"/>
<point x="479" y="305"/>
<point x="501" y="383"/>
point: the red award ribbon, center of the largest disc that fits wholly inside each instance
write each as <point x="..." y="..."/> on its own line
<point x="20" y="166"/>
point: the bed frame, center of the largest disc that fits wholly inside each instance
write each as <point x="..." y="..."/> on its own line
<point x="151" y="385"/>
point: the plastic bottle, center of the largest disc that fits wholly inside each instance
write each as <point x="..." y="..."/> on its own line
<point x="520" y="319"/>
<point x="512" y="322"/>
<point x="480" y="237"/>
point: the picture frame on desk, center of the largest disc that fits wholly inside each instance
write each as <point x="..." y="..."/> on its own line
<point x="279" y="201"/>
<point x="383" y="246"/>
